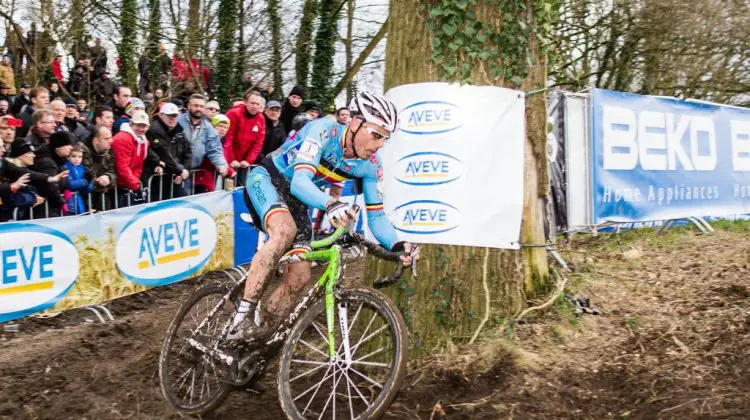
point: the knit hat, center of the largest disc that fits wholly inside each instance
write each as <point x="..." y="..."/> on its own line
<point x="134" y="103"/>
<point x="20" y="147"/>
<point x="220" y="118"/>
<point x="297" y="90"/>
<point x="70" y="103"/>
<point x="60" y="139"/>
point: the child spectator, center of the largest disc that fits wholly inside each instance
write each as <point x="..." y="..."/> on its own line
<point x="79" y="181"/>
<point x="204" y="178"/>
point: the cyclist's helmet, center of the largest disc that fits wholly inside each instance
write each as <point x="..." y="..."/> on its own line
<point x="375" y="109"/>
<point x="300" y="120"/>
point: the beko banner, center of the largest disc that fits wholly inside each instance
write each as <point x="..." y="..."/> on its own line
<point x="453" y="172"/>
<point x="663" y="158"/>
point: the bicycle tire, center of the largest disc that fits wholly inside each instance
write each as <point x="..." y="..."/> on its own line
<point x="223" y="389"/>
<point x="397" y="329"/>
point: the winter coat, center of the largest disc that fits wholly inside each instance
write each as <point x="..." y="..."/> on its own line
<point x="11" y="169"/>
<point x="7" y="77"/>
<point x="204" y="142"/>
<point x="275" y="136"/>
<point x="130" y="153"/>
<point x="18" y="104"/>
<point x="244" y="140"/>
<point x="172" y="146"/>
<point x="79" y="131"/>
<point x="57" y="70"/>
<point x="25" y="116"/>
<point x="35" y="139"/>
<point x="98" y="164"/>
<point x="50" y="163"/>
<point x="22" y="199"/>
<point x="120" y="115"/>
<point x="79" y="181"/>
<point x="288" y="112"/>
<point x="102" y="89"/>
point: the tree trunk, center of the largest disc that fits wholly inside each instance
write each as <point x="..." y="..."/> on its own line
<point x="350" y="7"/>
<point x="446" y="303"/>
<point x="225" y="51"/>
<point x="76" y="27"/>
<point x="325" y="51"/>
<point x="126" y="47"/>
<point x="302" y="60"/>
<point x="240" y="60"/>
<point x="193" y="28"/>
<point x="273" y="16"/>
<point x="153" y="40"/>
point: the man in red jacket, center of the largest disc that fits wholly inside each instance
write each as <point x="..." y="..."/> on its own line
<point x="130" y="149"/>
<point x="247" y="132"/>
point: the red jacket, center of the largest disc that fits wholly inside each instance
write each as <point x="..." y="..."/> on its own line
<point x="244" y="140"/>
<point x="57" y="70"/>
<point x="130" y="154"/>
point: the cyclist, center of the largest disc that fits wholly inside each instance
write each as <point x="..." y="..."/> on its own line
<point x="280" y="190"/>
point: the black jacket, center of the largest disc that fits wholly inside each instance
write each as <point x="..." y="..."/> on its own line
<point x="24" y="198"/>
<point x="275" y="136"/>
<point x="49" y="163"/>
<point x="35" y="139"/>
<point x="18" y="103"/>
<point x="288" y="112"/>
<point x="79" y="131"/>
<point x="172" y="146"/>
<point x="24" y="116"/>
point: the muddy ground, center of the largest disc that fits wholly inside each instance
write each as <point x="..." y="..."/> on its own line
<point x="673" y="342"/>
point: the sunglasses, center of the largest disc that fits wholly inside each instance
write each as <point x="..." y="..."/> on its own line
<point x="377" y="135"/>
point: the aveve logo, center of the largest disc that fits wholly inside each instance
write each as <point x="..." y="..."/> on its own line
<point x="431" y="117"/>
<point x="38" y="266"/>
<point x="428" y="168"/>
<point x="166" y="243"/>
<point x="425" y="217"/>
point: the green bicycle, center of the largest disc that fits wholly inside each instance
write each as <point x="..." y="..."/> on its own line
<point x="343" y="349"/>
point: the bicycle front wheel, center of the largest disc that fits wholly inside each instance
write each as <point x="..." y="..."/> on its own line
<point x="362" y="386"/>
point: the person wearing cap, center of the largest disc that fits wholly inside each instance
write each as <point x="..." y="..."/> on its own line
<point x="221" y="124"/>
<point x="212" y="108"/>
<point x="170" y="144"/>
<point x="14" y="190"/>
<point x="130" y="148"/>
<point x="5" y="95"/>
<point x="8" y="126"/>
<point x="275" y="131"/>
<point x="21" y="100"/>
<point x="72" y="123"/>
<point x="313" y="110"/>
<point x="292" y="107"/>
<point x="39" y="100"/>
<point x="6" y="74"/>
<point x="50" y="160"/>
<point x="247" y="132"/>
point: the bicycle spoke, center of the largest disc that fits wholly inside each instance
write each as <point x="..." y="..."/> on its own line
<point x="313" y="347"/>
<point x="356" y="389"/>
<point x="184" y="377"/>
<point x="369" y="324"/>
<point x="310" y="362"/>
<point x="306" y="373"/>
<point x="380" y="350"/>
<point x="331" y="397"/>
<point x="367" y="378"/>
<point x="318" y="329"/>
<point x="326" y="375"/>
<point x="349" y="395"/>
<point x="364" y="340"/>
<point x="372" y="364"/>
<point x="192" y="386"/>
<point x="318" y="387"/>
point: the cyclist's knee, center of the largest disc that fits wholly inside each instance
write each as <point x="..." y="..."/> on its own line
<point x="282" y="229"/>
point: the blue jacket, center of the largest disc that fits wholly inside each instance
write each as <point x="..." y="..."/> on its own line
<point x="204" y="144"/>
<point x="23" y="199"/>
<point x="77" y="183"/>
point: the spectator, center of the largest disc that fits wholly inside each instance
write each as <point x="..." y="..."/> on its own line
<point x="275" y="131"/>
<point x="21" y="100"/>
<point x="120" y="99"/>
<point x="6" y="74"/>
<point x="99" y="54"/>
<point x="292" y="107"/>
<point x="103" y="116"/>
<point x="58" y="112"/>
<point x="50" y="160"/>
<point x="57" y="69"/>
<point x="43" y="127"/>
<point x="343" y="116"/>
<point x="247" y="132"/>
<point x="80" y="183"/>
<point x="148" y="99"/>
<point x="204" y="142"/>
<point x="8" y="127"/>
<point x="168" y="141"/>
<point x="21" y="157"/>
<point x="130" y="148"/>
<point x="237" y="101"/>
<point x="134" y="105"/>
<point x="83" y="112"/>
<point x="102" y="87"/>
<point x="73" y="124"/>
<point x="39" y="100"/>
<point x="313" y="110"/>
<point x="179" y="103"/>
<point x="4" y="107"/>
<point x="54" y="89"/>
<point x="5" y="95"/>
<point x="79" y="79"/>
<point x="144" y="73"/>
<point x="14" y="190"/>
<point x="212" y="108"/>
<point x="221" y="125"/>
<point x="99" y="162"/>
<point x="158" y="95"/>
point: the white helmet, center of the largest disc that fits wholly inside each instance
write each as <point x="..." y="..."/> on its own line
<point x="375" y="109"/>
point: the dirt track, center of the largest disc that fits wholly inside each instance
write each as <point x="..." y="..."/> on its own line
<point x="672" y="343"/>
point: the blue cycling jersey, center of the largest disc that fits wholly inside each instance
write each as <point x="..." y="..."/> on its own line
<point x="315" y="158"/>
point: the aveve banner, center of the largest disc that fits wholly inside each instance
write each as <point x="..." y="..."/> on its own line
<point x="453" y="172"/>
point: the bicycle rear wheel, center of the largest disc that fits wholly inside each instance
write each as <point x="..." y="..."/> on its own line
<point x="191" y="379"/>
<point x="311" y="385"/>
